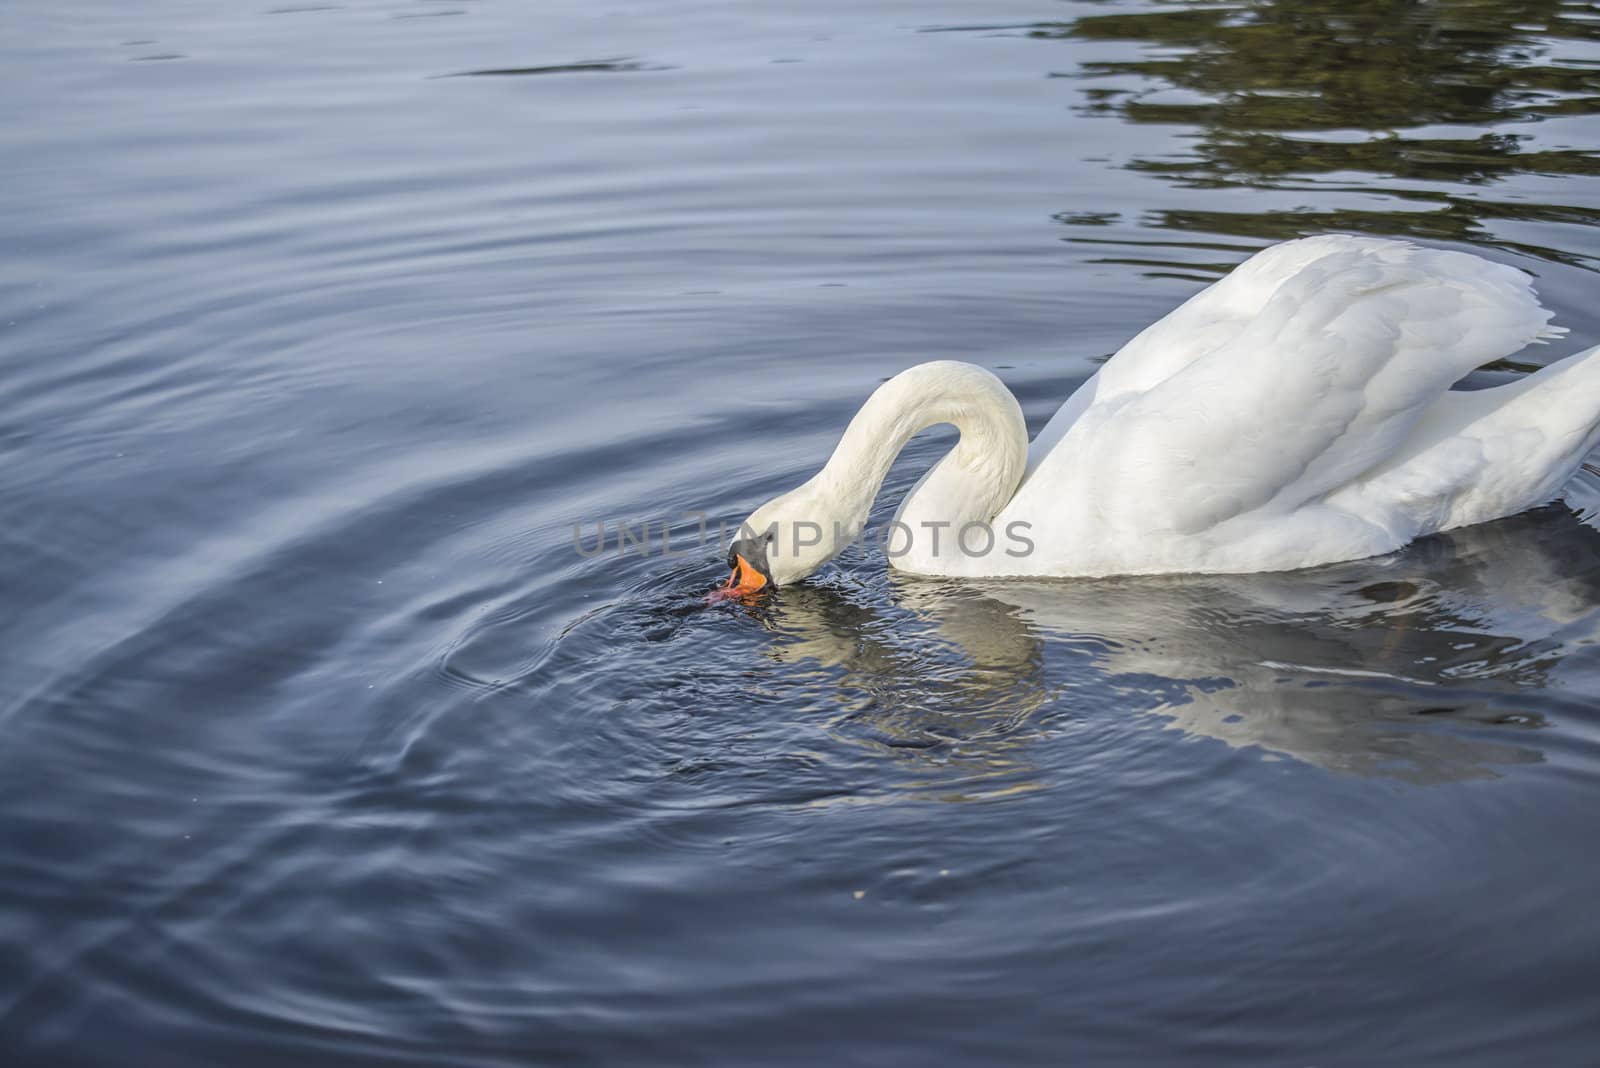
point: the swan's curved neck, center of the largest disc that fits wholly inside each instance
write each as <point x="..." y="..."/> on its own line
<point x="970" y="484"/>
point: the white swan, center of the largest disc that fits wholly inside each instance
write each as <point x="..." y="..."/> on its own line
<point x="1297" y="412"/>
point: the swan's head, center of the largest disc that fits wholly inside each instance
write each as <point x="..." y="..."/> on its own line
<point x="785" y="540"/>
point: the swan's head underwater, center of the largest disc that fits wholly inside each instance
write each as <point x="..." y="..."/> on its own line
<point x="785" y="540"/>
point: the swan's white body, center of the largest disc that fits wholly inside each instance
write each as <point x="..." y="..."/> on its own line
<point x="1298" y="412"/>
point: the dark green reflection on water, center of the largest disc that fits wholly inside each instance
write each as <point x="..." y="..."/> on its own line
<point x="1424" y="94"/>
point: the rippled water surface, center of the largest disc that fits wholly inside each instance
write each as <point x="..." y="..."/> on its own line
<point x="322" y="325"/>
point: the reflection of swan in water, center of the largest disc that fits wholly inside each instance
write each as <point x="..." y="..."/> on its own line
<point x="962" y="722"/>
<point x="1420" y="667"/>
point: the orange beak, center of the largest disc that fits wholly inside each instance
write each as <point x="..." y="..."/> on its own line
<point x="745" y="578"/>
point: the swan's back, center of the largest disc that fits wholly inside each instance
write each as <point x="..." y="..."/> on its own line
<point x="1218" y="315"/>
<point x="1221" y="437"/>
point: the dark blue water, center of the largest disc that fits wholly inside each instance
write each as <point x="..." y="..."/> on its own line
<point x="322" y="325"/>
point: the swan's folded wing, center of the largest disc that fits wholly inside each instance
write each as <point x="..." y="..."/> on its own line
<point x="1206" y="322"/>
<point x="1218" y="314"/>
<point x="1325" y="381"/>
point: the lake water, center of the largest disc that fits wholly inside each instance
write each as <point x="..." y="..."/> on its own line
<point x="324" y="324"/>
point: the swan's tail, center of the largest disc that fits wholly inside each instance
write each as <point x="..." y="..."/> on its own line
<point x="1477" y="456"/>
